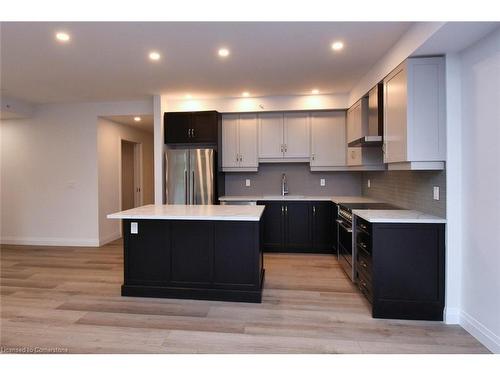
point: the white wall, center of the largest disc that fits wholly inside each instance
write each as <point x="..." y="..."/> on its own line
<point x="109" y="137"/>
<point x="480" y="309"/>
<point x="49" y="173"/>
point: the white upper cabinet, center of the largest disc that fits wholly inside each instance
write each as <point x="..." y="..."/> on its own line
<point x="283" y="137"/>
<point x="239" y="143"/>
<point x="249" y="156"/>
<point x="414" y="115"/>
<point x="328" y="141"/>
<point x="271" y="136"/>
<point x="357" y="120"/>
<point x="296" y="135"/>
<point x="230" y="141"/>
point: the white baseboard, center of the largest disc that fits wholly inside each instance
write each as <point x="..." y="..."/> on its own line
<point x="50" y="241"/>
<point x="452" y="315"/>
<point x="109" y="238"/>
<point x="480" y="332"/>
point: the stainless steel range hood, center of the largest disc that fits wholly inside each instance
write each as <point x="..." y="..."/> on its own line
<point x="375" y="120"/>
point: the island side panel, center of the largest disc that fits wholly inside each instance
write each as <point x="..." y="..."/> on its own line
<point x="193" y="259"/>
<point x="237" y="255"/>
<point x="147" y="252"/>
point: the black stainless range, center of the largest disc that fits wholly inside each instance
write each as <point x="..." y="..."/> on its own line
<point x="345" y="237"/>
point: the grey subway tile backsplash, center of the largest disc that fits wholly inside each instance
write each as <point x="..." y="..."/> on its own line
<point x="409" y="189"/>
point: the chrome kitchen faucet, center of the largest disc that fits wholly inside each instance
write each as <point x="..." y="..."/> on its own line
<point x="284" y="185"/>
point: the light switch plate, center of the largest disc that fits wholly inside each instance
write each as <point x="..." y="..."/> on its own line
<point x="435" y="192"/>
<point x="247" y="182"/>
<point x="322" y="182"/>
<point x="369" y="183"/>
<point x="134" y="228"/>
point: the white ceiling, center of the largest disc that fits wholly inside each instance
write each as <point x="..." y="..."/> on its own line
<point x="108" y="61"/>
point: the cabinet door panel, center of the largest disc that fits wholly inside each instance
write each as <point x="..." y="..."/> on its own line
<point x="322" y="225"/>
<point x="296" y="135"/>
<point x="354" y="156"/>
<point x="236" y="265"/>
<point x="270" y="135"/>
<point x="191" y="262"/>
<point x="205" y="126"/>
<point x="248" y="140"/>
<point x="354" y="122"/>
<point x="230" y="141"/>
<point x="395" y="117"/>
<point x="297" y="226"/>
<point x="177" y="125"/>
<point x="147" y="253"/>
<point x="328" y="139"/>
<point x="272" y="222"/>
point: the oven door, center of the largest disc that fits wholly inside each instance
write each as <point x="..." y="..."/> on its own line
<point x="344" y="230"/>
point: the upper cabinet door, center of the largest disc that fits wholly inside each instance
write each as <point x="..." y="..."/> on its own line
<point x="204" y="127"/>
<point x="296" y="135"/>
<point x="395" y="116"/>
<point x="248" y="149"/>
<point x="230" y="140"/>
<point x="271" y="136"/>
<point x="177" y="127"/>
<point x="328" y="139"/>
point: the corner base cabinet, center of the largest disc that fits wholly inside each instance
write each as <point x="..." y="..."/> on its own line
<point x="400" y="268"/>
<point x="194" y="259"/>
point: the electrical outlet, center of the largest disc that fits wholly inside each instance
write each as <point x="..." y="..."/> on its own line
<point x="435" y="192"/>
<point x="369" y="183"/>
<point x="322" y="182"/>
<point x="247" y="182"/>
<point x="134" y="228"/>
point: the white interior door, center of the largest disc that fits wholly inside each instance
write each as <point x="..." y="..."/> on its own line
<point x="270" y="135"/>
<point x="230" y="140"/>
<point x="248" y="141"/>
<point x="328" y="139"/>
<point x="296" y="135"/>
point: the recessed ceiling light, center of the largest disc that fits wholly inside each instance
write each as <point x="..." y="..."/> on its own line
<point x="137" y="119"/>
<point x="337" y="46"/>
<point x="315" y="91"/>
<point x="223" y="52"/>
<point x="62" y="36"/>
<point x="155" y="56"/>
<point x="246" y="94"/>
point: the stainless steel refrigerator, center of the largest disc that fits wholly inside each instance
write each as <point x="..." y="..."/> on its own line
<point x="190" y="176"/>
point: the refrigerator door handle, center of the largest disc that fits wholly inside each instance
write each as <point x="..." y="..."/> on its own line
<point x="193" y="193"/>
<point x="186" y="185"/>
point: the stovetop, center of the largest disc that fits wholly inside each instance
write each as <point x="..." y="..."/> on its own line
<point x="369" y="206"/>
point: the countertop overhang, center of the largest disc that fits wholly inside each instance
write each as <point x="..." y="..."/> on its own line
<point x="191" y="212"/>
<point x="398" y="216"/>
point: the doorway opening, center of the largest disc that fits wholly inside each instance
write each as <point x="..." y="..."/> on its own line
<point x="131" y="175"/>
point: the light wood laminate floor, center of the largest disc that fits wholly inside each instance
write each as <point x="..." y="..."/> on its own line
<point x="69" y="298"/>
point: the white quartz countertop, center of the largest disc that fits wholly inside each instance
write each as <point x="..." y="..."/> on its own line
<point x="335" y="199"/>
<point x="397" y="216"/>
<point x="192" y="212"/>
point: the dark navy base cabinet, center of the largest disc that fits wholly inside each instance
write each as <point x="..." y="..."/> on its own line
<point x="400" y="268"/>
<point x="214" y="260"/>
<point x="298" y="227"/>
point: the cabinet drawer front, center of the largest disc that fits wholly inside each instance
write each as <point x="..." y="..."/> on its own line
<point x="364" y="263"/>
<point x="365" y="286"/>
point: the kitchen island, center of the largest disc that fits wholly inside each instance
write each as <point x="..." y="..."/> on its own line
<point x="193" y="251"/>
